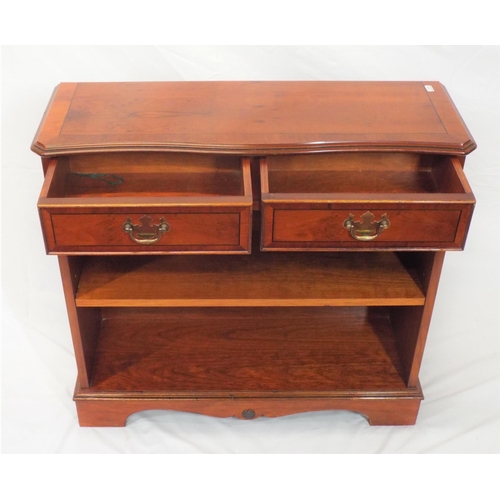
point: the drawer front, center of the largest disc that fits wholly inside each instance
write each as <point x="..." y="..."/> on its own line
<point x="146" y="232"/>
<point x="364" y="202"/>
<point x="153" y="205"/>
<point x="365" y="227"/>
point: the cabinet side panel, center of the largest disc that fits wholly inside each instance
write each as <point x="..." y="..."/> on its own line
<point x="411" y="324"/>
<point x="84" y="323"/>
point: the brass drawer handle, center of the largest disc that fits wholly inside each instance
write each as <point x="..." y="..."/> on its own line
<point x="368" y="229"/>
<point x="146" y="233"/>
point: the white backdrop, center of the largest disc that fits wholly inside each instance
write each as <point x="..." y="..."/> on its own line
<point x="460" y="372"/>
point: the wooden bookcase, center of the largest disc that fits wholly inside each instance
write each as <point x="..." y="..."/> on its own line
<point x="251" y="248"/>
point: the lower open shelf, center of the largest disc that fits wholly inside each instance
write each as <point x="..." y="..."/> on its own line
<point x="230" y="351"/>
<point x="258" y="335"/>
<point x="272" y="360"/>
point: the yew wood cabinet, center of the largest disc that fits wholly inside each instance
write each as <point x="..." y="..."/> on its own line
<point x="251" y="248"/>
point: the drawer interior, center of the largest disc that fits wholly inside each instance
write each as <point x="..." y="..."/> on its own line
<point x="151" y="175"/>
<point x="364" y="173"/>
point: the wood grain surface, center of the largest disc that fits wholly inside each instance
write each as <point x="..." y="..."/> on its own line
<point x="325" y="321"/>
<point x="307" y="198"/>
<point x="207" y="204"/>
<point x="252" y="118"/>
<point x="395" y="409"/>
<point x="259" y="279"/>
<point x="247" y="351"/>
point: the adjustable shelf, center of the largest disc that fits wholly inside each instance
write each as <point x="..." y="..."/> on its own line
<point x="259" y="279"/>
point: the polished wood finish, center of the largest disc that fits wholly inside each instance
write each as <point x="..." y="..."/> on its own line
<point x="256" y="359"/>
<point x="399" y="173"/>
<point x="84" y="323"/>
<point x="247" y="351"/>
<point x="317" y="321"/>
<point x="411" y="325"/>
<point x="157" y="174"/>
<point x="396" y="409"/>
<point x="253" y="118"/>
<point x="207" y="204"/>
<point x="254" y="280"/>
<point x="305" y="201"/>
<point x="77" y="233"/>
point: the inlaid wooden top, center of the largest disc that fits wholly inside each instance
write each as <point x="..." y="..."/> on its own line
<point x="252" y="118"/>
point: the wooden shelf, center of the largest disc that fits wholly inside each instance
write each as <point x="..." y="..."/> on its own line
<point x="259" y="279"/>
<point x="228" y="352"/>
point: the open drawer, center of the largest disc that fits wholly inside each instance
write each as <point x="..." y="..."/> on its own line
<point x="146" y="203"/>
<point x="364" y="201"/>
